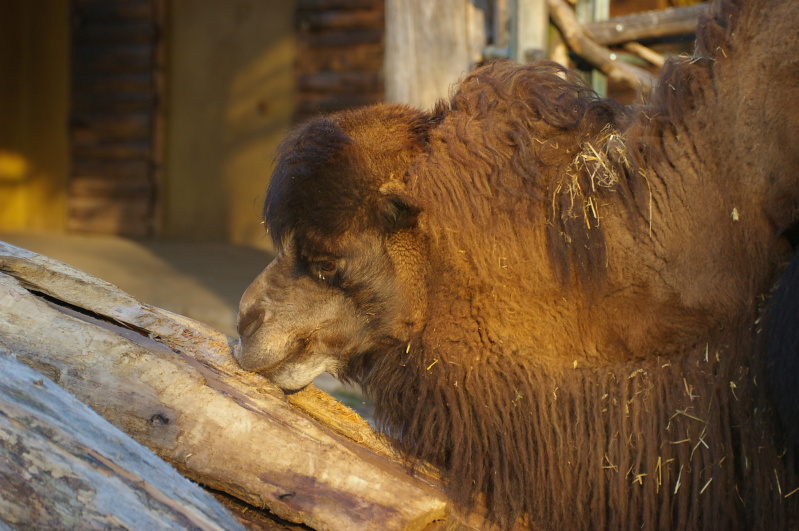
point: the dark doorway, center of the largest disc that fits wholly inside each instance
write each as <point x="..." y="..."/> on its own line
<point x="116" y="119"/>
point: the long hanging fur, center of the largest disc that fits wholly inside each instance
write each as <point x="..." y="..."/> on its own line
<point x="671" y="439"/>
<point x="680" y="443"/>
<point x="534" y="386"/>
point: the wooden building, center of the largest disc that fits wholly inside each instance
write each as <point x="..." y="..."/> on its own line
<point x="160" y="117"/>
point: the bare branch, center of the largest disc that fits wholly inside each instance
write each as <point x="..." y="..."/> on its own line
<point x="598" y="56"/>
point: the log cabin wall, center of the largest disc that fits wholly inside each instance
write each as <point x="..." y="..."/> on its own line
<point x="116" y="116"/>
<point x="340" y="48"/>
<point x="239" y="73"/>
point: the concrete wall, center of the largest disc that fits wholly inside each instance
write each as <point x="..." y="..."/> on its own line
<point x="230" y="86"/>
<point x="34" y="92"/>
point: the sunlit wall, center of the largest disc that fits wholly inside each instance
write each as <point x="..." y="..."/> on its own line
<point x="230" y="86"/>
<point x="34" y="92"/>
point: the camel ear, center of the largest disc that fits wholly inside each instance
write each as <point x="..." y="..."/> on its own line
<point x="397" y="212"/>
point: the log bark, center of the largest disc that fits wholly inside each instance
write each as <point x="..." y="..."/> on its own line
<point x="172" y="384"/>
<point x="62" y="466"/>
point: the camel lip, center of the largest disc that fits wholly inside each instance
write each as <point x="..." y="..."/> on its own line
<point x="250" y="359"/>
<point x="250" y="355"/>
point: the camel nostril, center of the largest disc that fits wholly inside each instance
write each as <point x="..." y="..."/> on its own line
<point x="250" y="322"/>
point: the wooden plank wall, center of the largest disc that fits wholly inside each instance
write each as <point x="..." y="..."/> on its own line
<point x="115" y="116"/>
<point x="340" y="47"/>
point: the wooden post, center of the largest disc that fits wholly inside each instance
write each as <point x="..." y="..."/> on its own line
<point x="592" y="11"/>
<point x="429" y="47"/>
<point x="529" y="30"/>
<point x="581" y="43"/>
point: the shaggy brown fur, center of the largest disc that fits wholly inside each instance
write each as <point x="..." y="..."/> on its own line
<point x="550" y="297"/>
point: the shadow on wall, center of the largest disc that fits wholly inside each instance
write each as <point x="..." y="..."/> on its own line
<point x="230" y="103"/>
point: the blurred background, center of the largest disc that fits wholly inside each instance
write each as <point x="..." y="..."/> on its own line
<point x="137" y="136"/>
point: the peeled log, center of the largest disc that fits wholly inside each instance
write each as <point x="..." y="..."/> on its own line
<point x="171" y="383"/>
<point x="64" y="467"/>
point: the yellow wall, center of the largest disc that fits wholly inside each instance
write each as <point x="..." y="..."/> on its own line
<point x="34" y="92"/>
<point x="230" y="102"/>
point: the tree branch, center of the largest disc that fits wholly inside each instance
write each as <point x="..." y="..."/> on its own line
<point x="598" y="56"/>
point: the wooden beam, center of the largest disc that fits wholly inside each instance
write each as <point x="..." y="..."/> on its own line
<point x="646" y="25"/>
<point x="62" y="466"/>
<point x="600" y="57"/>
<point x="173" y="385"/>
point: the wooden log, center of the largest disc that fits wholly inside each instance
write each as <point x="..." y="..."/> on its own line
<point x="116" y="32"/>
<point x="90" y="82"/>
<point x="109" y="215"/>
<point x="110" y="188"/>
<point x="112" y="103"/>
<point x="172" y="384"/>
<point x="646" y="25"/>
<point x="90" y="128"/>
<point x="647" y="54"/>
<point x="354" y="37"/>
<point x="339" y="20"/>
<point x="62" y="466"/>
<point x="94" y="11"/>
<point x="312" y="104"/>
<point x="600" y="57"/>
<point x="340" y="81"/>
<point x="123" y="170"/>
<point x="92" y="147"/>
<point x="366" y="57"/>
<point x="116" y="58"/>
<point x="325" y="5"/>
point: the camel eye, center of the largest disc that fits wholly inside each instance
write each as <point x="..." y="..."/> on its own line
<point x="324" y="269"/>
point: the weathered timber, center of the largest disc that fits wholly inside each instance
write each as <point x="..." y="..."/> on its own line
<point x="647" y="25"/>
<point x="93" y="148"/>
<point x="340" y="81"/>
<point x="112" y="169"/>
<point x="171" y="383"/>
<point x="112" y="82"/>
<point x="110" y="215"/>
<point x="340" y="20"/>
<point x="134" y="32"/>
<point x="89" y="129"/>
<point x="113" y="58"/>
<point x="429" y="47"/>
<point x="94" y="11"/>
<point x="324" y="5"/>
<point x="315" y="104"/>
<point x="367" y="57"/>
<point x="344" y="38"/>
<point x="107" y="188"/>
<point x="339" y="55"/>
<point x="116" y="108"/>
<point x="647" y="54"/>
<point x="62" y="466"/>
<point x="581" y="43"/>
